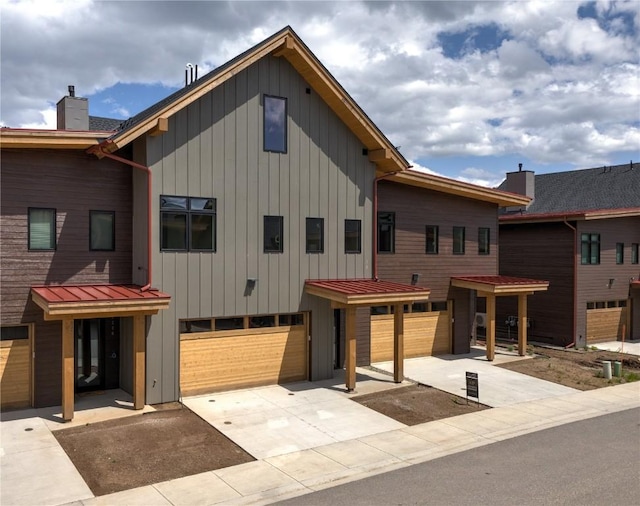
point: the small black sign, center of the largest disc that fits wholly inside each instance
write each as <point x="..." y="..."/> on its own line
<point x="472" y="385"/>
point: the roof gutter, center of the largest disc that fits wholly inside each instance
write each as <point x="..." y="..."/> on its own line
<point x="375" y="220"/>
<point x="99" y="151"/>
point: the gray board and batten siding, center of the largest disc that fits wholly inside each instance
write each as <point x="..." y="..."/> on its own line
<point x="214" y="148"/>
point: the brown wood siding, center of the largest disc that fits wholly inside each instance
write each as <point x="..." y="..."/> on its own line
<point x="593" y="280"/>
<point x="363" y="336"/>
<point x="539" y="251"/>
<point x="15" y="373"/>
<point x="414" y="209"/>
<point x="73" y="183"/>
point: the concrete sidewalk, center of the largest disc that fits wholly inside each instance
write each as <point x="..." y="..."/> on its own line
<point x="290" y="472"/>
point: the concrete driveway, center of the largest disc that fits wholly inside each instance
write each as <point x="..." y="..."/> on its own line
<point x="497" y="387"/>
<point x="281" y="419"/>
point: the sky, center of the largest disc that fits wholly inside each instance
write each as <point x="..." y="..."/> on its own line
<point x="466" y="89"/>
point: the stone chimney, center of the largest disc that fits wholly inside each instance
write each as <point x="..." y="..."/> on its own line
<point x="522" y="182"/>
<point x="73" y="112"/>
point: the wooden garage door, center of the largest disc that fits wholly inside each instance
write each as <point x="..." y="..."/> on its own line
<point x="15" y="367"/>
<point x="605" y="324"/>
<point x="424" y="334"/>
<point x="246" y="358"/>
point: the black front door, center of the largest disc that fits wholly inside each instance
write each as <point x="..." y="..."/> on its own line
<point x="97" y="350"/>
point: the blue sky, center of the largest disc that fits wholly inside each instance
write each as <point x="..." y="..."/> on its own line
<point x="466" y="89"/>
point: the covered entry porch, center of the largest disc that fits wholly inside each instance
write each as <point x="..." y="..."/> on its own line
<point x="68" y="303"/>
<point x="502" y="286"/>
<point x="349" y="294"/>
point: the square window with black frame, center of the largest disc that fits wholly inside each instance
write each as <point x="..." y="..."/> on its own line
<point x="42" y="229"/>
<point x="275" y="124"/>
<point x="458" y="240"/>
<point x="102" y="230"/>
<point x="273" y="230"/>
<point x="431" y="236"/>
<point x="483" y="240"/>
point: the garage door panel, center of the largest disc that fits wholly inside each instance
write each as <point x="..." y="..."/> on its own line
<point x="605" y="324"/>
<point x="424" y="335"/>
<point x="225" y="363"/>
<point x="15" y="373"/>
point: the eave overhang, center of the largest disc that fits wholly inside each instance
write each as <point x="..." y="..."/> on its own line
<point x="365" y="292"/>
<point x="500" y="285"/>
<point x="459" y="188"/>
<point x="89" y="301"/>
<point x="597" y="214"/>
<point x="50" y="139"/>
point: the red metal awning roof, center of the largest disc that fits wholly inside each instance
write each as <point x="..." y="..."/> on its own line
<point x="65" y="301"/>
<point x="500" y="284"/>
<point x="365" y="291"/>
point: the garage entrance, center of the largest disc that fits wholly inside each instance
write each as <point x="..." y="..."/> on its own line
<point x="16" y="351"/>
<point x="229" y="353"/>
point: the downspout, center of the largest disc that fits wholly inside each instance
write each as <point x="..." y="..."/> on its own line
<point x="575" y="281"/>
<point x="375" y="221"/>
<point x="100" y="151"/>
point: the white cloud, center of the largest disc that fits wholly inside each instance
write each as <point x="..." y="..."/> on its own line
<point x="558" y="89"/>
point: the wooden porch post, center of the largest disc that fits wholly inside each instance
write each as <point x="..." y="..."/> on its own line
<point x="398" y="343"/>
<point x="68" y="364"/>
<point x="491" y="326"/>
<point x="350" y="349"/>
<point x="139" y="345"/>
<point x="522" y="324"/>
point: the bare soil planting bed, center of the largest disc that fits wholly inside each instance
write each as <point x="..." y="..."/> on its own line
<point x="143" y="449"/>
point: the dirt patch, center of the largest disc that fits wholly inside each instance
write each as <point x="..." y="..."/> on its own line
<point x="579" y="369"/>
<point x="418" y="404"/>
<point x="140" y="450"/>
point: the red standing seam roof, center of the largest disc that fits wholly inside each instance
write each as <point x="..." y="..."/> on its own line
<point x="96" y="293"/>
<point x="501" y="280"/>
<point x="363" y="286"/>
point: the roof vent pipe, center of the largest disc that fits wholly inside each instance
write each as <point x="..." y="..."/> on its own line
<point x="72" y="90"/>
<point x="519" y="167"/>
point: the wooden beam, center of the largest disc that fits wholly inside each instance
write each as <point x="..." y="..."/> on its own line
<point x="286" y="48"/>
<point x="377" y="155"/>
<point x="350" y="349"/>
<point x="139" y="376"/>
<point x="491" y="326"/>
<point x="398" y="343"/>
<point x="68" y="366"/>
<point x="162" y="126"/>
<point x="522" y="324"/>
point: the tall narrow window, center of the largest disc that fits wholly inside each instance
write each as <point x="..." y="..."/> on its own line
<point x="634" y="253"/>
<point x="42" y="229"/>
<point x="386" y="232"/>
<point x="619" y="252"/>
<point x="187" y="223"/>
<point x="102" y="230"/>
<point x="431" y="236"/>
<point x="273" y="229"/>
<point x="483" y="241"/>
<point x="590" y="249"/>
<point x="275" y="124"/>
<point x="458" y="240"/>
<point x="315" y="235"/>
<point x="352" y="236"/>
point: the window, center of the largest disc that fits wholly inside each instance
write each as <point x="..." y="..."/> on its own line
<point x="431" y="234"/>
<point x="102" y="230"/>
<point x="483" y="241"/>
<point x="352" y="236"/>
<point x="275" y="124"/>
<point x="439" y="306"/>
<point x="458" y="240"/>
<point x="634" y="253"/>
<point x="590" y="248"/>
<point x="386" y="232"/>
<point x="273" y="227"/>
<point x="42" y="229"/>
<point x="12" y="333"/>
<point x="188" y="326"/>
<point x="187" y="223"/>
<point x="619" y="253"/>
<point x="315" y="235"/>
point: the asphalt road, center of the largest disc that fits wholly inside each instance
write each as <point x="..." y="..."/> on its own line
<point x="591" y="462"/>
